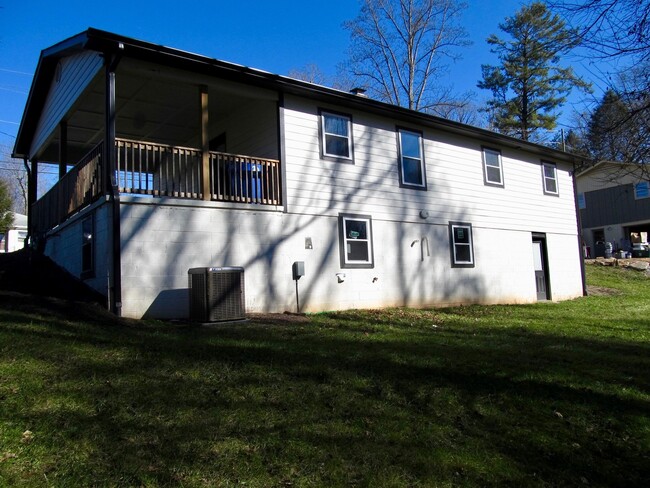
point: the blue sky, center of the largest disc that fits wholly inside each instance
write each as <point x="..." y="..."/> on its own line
<point x="275" y="36"/>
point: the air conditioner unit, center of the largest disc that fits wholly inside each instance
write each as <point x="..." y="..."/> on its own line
<point x="217" y="294"/>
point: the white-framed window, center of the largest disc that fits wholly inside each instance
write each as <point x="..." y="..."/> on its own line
<point x="492" y="167"/>
<point x="642" y="190"/>
<point x="549" y="177"/>
<point x="411" y="159"/>
<point x="582" y="202"/>
<point x="355" y="241"/>
<point x="462" y="245"/>
<point x="336" y="135"/>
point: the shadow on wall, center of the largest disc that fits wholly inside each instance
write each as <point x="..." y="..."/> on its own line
<point x="170" y="304"/>
<point x="422" y="273"/>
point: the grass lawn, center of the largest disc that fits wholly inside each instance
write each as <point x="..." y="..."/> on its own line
<point x="538" y="395"/>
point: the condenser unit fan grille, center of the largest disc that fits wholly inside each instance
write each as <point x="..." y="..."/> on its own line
<point x="217" y="294"/>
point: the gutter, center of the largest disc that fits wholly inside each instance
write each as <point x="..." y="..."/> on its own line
<point x="109" y="44"/>
<point x="103" y="41"/>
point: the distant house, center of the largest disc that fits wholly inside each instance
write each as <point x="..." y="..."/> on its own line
<point x="614" y="203"/>
<point x="14" y="238"/>
<point x="183" y="161"/>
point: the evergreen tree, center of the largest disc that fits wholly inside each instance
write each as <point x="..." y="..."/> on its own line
<point x="529" y="85"/>
<point x="6" y="215"/>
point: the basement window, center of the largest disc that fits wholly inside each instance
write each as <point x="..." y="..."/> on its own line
<point x="462" y="245"/>
<point x="355" y="241"/>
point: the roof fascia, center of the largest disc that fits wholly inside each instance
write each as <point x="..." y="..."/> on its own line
<point x="601" y="164"/>
<point x="107" y="42"/>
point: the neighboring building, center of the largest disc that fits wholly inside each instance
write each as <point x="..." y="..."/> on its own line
<point x="183" y="161"/>
<point x="14" y="238"/>
<point x="614" y="203"/>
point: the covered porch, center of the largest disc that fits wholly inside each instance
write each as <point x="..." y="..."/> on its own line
<point x="142" y="129"/>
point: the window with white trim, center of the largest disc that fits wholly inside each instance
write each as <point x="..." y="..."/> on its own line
<point x="411" y="160"/>
<point x="462" y="245"/>
<point x="355" y="241"/>
<point x="336" y="135"/>
<point x="582" y="202"/>
<point x="549" y="176"/>
<point x="642" y="190"/>
<point x="492" y="167"/>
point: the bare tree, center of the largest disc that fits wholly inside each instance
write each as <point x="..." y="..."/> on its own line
<point x="14" y="174"/>
<point x="310" y="73"/>
<point x="610" y="28"/>
<point x="618" y="31"/>
<point x="399" y="49"/>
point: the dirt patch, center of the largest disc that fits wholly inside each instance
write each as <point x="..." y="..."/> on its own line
<point x="601" y="291"/>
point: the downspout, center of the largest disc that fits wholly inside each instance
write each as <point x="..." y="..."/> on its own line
<point x="282" y="152"/>
<point x="579" y="225"/>
<point x="111" y="189"/>
<point x="29" y="197"/>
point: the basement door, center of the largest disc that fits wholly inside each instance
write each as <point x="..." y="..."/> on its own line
<point x="541" y="266"/>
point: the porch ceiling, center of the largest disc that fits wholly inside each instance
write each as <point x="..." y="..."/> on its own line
<point x="154" y="104"/>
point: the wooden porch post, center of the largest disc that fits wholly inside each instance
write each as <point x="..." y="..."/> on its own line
<point x="205" y="143"/>
<point x="63" y="148"/>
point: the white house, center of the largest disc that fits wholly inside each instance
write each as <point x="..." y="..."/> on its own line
<point x="14" y="238"/>
<point x="183" y="161"/>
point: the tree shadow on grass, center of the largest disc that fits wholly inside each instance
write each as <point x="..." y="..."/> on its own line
<point x="323" y="403"/>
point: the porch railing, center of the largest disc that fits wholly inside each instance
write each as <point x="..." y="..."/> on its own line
<point x="244" y="179"/>
<point x="159" y="170"/>
<point x="79" y="187"/>
<point x="170" y="171"/>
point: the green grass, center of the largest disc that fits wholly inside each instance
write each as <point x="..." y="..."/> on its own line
<point x="551" y="394"/>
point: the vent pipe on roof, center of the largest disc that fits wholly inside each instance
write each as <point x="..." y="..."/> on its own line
<point x="359" y="91"/>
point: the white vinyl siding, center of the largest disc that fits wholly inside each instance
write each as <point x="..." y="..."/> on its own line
<point x="76" y="73"/>
<point x="492" y="167"/>
<point x="456" y="189"/>
<point x="251" y="129"/>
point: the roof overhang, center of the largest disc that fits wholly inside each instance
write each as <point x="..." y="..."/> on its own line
<point x="112" y="44"/>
